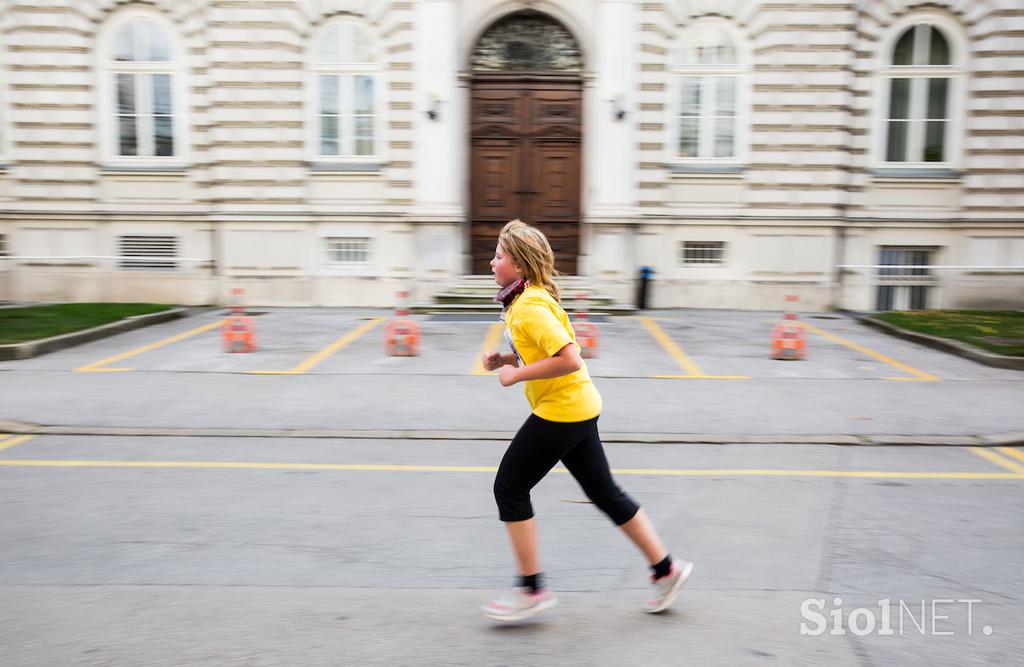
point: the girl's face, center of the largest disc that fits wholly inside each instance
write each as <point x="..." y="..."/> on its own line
<point x="504" y="270"/>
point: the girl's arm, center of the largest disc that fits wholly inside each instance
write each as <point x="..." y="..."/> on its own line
<point x="564" y="362"/>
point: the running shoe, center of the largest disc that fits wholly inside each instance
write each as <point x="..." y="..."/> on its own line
<point x="667" y="588"/>
<point x="519" y="604"/>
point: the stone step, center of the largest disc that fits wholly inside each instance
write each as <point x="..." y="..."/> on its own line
<point x="468" y="293"/>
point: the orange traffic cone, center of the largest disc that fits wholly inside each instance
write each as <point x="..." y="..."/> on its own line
<point x="587" y="334"/>
<point x="237" y="332"/>
<point x="789" y="338"/>
<point x="402" y="336"/>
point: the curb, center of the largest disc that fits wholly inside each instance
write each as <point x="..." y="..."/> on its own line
<point x="945" y="344"/>
<point x="984" y="440"/>
<point x="35" y="348"/>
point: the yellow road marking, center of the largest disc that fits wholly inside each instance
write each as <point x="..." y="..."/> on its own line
<point x="696" y="472"/>
<point x="1012" y="452"/>
<point x="693" y="372"/>
<point x="327" y="351"/>
<point x="95" y="367"/>
<point x="4" y="436"/>
<point x="919" y="375"/>
<point x="490" y="344"/>
<point x="989" y="455"/>
<point x="7" y="441"/>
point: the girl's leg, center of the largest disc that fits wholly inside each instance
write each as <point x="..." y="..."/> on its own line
<point x="588" y="464"/>
<point x="640" y="530"/>
<point x="533" y="452"/>
<point x="523" y="535"/>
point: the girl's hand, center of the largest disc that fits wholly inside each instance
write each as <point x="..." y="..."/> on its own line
<point x="508" y="375"/>
<point x="492" y="360"/>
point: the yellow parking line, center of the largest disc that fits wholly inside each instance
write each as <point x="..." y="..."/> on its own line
<point x="989" y="455"/>
<point x="327" y="351"/>
<point x="695" y="472"/>
<point x="4" y="436"/>
<point x="693" y="372"/>
<point x="919" y="375"/>
<point x="96" y="366"/>
<point x="7" y="442"/>
<point x="1016" y="453"/>
<point x="490" y="344"/>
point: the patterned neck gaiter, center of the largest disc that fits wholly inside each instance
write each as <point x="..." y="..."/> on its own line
<point x="508" y="294"/>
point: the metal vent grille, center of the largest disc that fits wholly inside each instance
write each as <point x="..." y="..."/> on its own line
<point x="148" y="253"/>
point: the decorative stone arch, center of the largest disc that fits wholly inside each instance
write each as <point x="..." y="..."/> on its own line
<point x="503" y="12"/>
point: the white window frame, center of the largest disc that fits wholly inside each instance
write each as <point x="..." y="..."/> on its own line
<point x="347" y="72"/>
<point x="955" y="72"/>
<point x="107" y="71"/>
<point x="721" y="245"/>
<point x="340" y="263"/>
<point x="707" y="74"/>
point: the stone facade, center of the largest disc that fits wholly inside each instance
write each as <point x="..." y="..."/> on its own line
<point x="250" y="202"/>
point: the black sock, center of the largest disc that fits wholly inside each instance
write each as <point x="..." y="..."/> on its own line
<point x="533" y="582"/>
<point x="663" y="567"/>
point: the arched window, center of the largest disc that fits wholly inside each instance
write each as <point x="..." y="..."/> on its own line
<point x="142" y="85"/>
<point x="920" y="85"/>
<point x="708" y="87"/>
<point x="347" y="93"/>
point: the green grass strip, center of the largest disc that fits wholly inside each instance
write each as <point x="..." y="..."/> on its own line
<point x="20" y="325"/>
<point x="999" y="331"/>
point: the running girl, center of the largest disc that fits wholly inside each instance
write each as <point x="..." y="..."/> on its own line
<point x="563" y="426"/>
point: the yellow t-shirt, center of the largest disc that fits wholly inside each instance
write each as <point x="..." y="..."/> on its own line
<point x="537" y="328"/>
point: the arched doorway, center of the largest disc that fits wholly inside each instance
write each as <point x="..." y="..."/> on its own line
<point x="526" y="110"/>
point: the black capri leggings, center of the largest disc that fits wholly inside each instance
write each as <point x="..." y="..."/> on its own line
<point x="535" y="450"/>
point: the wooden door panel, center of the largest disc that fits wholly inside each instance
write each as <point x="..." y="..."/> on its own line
<point x="525" y="163"/>
<point x="496" y="167"/>
<point x="555" y="174"/>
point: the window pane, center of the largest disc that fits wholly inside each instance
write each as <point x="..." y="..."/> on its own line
<point x="691" y="96"/>
<point x="939" y="48"/>
<point x="903" y="54"/>
<point x="159" y="46"/>
<point x="329" y="135"/>
<point x="329" y="94"/>
<point x="346" y="43"/>
<point x="126" y="93"/>
<point x="934" y="141"/>
<point x="899" y="98"/>
<point x="897" y="145"/>
<point x="725" y="140"/>
<point x="687" y="137"/>
<point x="884" y="299"/>
<point x="124" y="43"/>
<point x="938" y="93"/>
<point x="328" y="47"/>
<point x="162" y="93"/>
<point x="128" y="141"/>
<point x="725" y="96"/>
<point x="360" y="46"/>
<point x="364" y="94"/>
<point x="163" y="134"/>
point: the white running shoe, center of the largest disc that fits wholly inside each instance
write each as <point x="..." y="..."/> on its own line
<point x="519" y="604"/>
<point x="667" y="588"/>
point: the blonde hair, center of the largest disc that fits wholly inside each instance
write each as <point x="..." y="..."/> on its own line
<point x="530" y="250"/>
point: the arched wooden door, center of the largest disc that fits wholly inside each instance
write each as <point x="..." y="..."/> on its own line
<point x="525" y="137"/>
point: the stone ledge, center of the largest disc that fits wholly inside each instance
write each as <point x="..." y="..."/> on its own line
<point x="869" y="440"/>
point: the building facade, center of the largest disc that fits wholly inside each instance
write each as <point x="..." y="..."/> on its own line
<point x="865" y="154"/>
